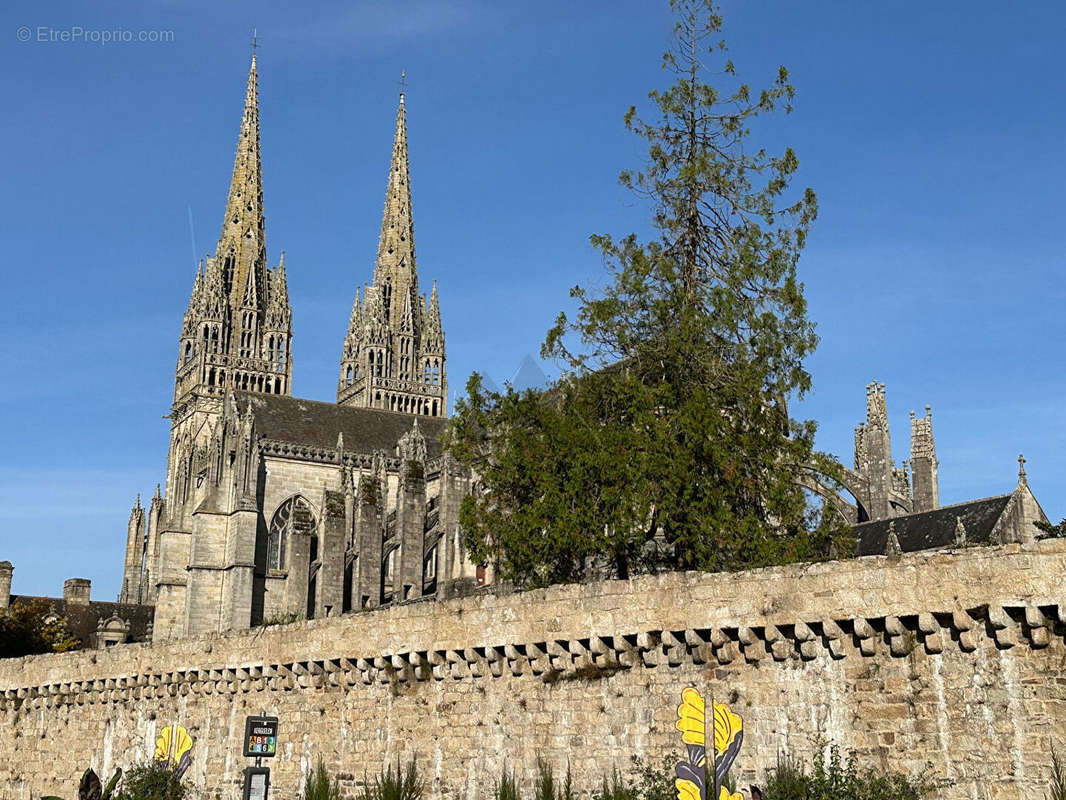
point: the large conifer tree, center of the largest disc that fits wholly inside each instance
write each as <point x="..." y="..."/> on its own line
<point x="667" y="443"/>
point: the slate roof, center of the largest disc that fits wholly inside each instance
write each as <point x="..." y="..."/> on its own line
<point x="309" y="422"/>
<point x="83" y="620"/>
<point x="932" y="529"/>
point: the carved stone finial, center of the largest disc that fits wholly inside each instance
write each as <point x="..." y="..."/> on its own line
<point x="892" y="548"/>
<point x="960" y="532"/>
<point x="1023" y="479"/>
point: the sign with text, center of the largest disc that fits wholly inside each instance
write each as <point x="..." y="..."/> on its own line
<point x="256" y="783"/>
<point x="260" y="737"/>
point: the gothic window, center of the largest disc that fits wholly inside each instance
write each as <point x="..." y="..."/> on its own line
<point x="292" y="516"/>
<point x="188" y="352"/>
<point x="427" y="374"/>
<point x="429" y="571"/>
<point x="348" y="377"/>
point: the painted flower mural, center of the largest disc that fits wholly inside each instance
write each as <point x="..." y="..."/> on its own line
<point x="173" y="747"/>
<point x="692" y="775"/>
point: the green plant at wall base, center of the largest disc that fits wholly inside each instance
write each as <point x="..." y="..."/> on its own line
<point x="1057" y="791"/>
<point x="838" y="778"/>
<point x="507" y="787"/>
<point x="318" y="786"/>
<point x="546" y="788"/>
<point x="90" y="787"/>
<point x="153" y="780"/>
<point x="403" y="784"/>
<point x="616" y="789"/>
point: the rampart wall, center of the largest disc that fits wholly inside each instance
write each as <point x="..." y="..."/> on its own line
<point x="954" y="658"/>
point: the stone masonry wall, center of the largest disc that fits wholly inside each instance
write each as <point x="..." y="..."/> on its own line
<point x="956" y="658"/>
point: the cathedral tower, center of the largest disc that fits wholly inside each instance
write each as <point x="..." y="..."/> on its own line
<point x="393" y="355"/>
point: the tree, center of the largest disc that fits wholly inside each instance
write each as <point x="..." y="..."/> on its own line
<point x="32" y="627"/>
<point x="667" y="442"/>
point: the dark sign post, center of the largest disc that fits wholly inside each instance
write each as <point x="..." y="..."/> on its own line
<point x="260" y="741"/>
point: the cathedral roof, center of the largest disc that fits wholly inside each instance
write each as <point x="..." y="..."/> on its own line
<point x="933" y="529"/>
<point x="316" y="424"/>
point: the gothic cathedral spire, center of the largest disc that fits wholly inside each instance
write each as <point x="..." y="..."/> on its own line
<point x="237" y="331"/>
<point x="393" y="354"/>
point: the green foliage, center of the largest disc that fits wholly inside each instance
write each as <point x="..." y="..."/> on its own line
<point x="507" y="787"/>
<point x="153" y="780"/>
<point x="547" y="788"/>
<point x="28" y="629"/>
<point x="318" y="786"/>
<point x="1050" y="531"/>
<point x="667" y="442"/>
<point x="840" y="779"/>
<point x="1057" y="790"/>
<point x="616" y="789"/>
<point x="403" y="784"/>
<point x="90" y="787"/>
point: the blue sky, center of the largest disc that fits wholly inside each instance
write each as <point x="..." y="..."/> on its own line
<point x="931" y="132"/>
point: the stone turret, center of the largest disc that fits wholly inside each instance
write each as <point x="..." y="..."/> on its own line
<point x="393" y="353"/>
<point x="76" y="591"/>
<point x="923" y="463"/>
<point x="132" y="587"/>
<point x="6" y="571"/>
<point x="411" y="514"/>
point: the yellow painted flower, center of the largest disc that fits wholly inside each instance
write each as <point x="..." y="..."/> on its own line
<point x="690" y="718"/>
<point x="726" y="727"/>
<point x="687" y="790"/>
<point x="172" y="744"/>
<point x="725" y="794"/>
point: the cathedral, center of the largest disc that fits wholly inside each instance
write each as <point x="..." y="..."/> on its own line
<point x="277" y="508"/>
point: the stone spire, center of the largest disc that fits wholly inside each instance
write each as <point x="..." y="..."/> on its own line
<point x="923" y="462"/>
<point x="393" y="353"/>
<point x="396" y="245"/>
<point x="242" y="243"/>
<point x="237" y="332"/>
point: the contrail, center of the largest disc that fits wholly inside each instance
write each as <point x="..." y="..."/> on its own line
<point x="192" y="238"/>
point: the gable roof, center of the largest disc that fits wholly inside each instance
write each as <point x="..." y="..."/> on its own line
<point x="931" y="529"/>
<point x="316" y="424"/>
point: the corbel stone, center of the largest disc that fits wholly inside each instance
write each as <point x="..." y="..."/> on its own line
<point x="780" y="647"/>
<point x="1038" y="626"/>
<point x="834" y="638"/>
<point x="438" y="664"/>
<point x="675" y="648"/>
<point x="962" y="622"/>
<point x="495" y="660"/>
<point x="722" y="646"/>
<point x="866" y="636"/>
<point x="808" y="645"/>
<point x="516" y="659"/>
<point x="930" y="628"/>
<point x="626" y="651"/>
<point x="900" y="643"/>
<point x="648" y="643"/>
<point x="457" y="663"/>
<point x="539" y="662"/>
<point x="559" y="656"/>
<point x="751" y="645"/>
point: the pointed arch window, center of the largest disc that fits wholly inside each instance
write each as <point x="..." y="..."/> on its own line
<point x="292" y="516"/>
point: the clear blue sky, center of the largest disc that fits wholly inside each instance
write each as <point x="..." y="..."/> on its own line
<point x="932" y="133"/>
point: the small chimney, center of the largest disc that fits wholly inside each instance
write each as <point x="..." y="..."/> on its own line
<point x="76" y="591"/>
<point x="5" y="585"/>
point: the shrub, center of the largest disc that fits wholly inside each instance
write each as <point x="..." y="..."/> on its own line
<point x="1058" y="778"/>
<point x="317" y="785"/>
<point x="840" y="779"/>
<point x="545" y="788"/>
<point x="507" y="787"/>
<point x="153" y="780"/>
<point x="403" y="784"/>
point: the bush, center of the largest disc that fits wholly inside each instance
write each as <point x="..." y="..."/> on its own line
<point x="317" y="785"/>
<point x="1058" y="778"/>
<point x="840" y="779"/>
<point x="154" y="780"/>
<point x="507" y="787"/>
<point x="545" y="788"/>
<point x="403" y="784"/>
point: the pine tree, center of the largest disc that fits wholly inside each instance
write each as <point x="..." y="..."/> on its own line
<point x="667" y="442"/>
